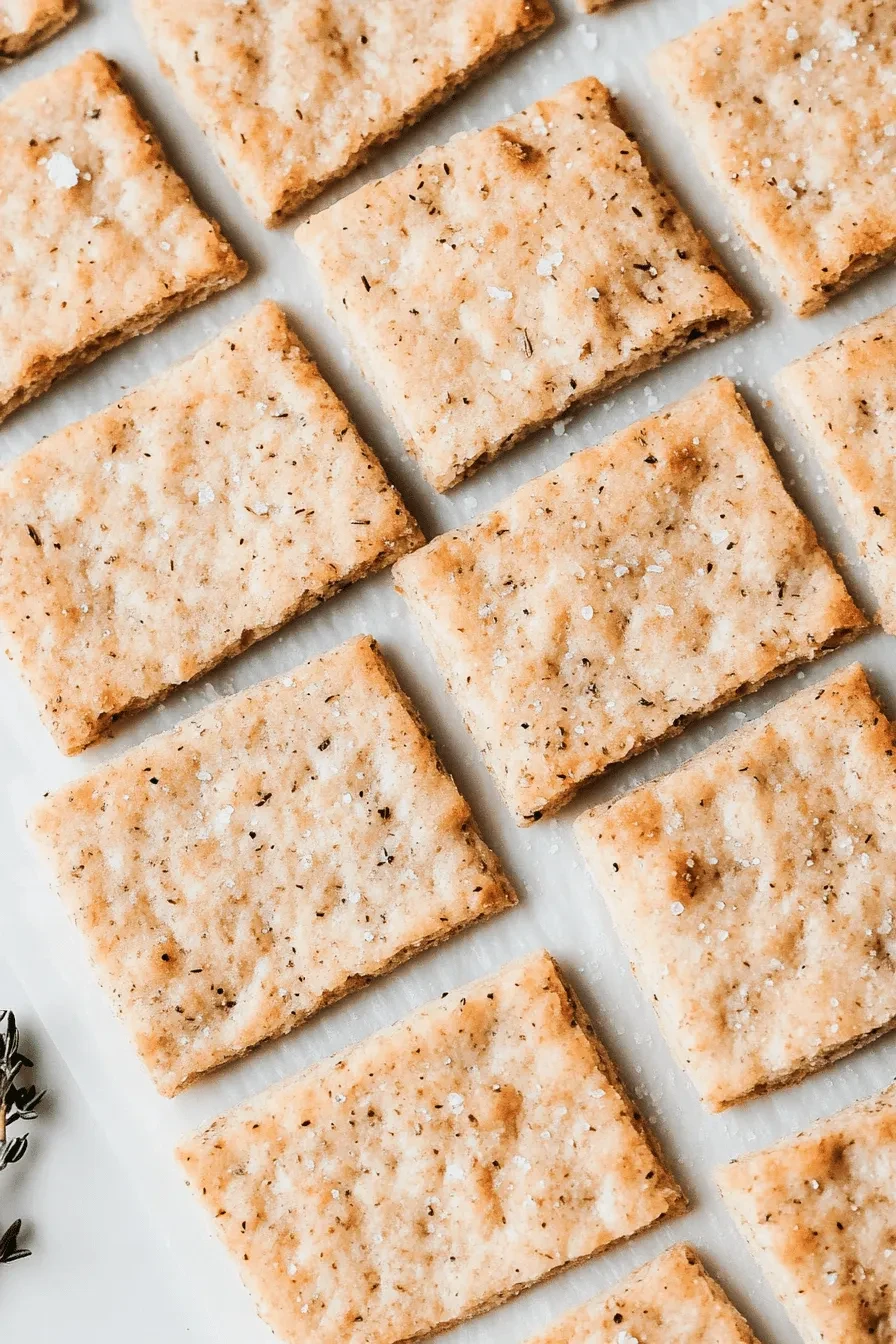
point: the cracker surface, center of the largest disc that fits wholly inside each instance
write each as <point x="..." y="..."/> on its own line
<point x="843" y="397"/>
<point x="670" y="1300"/>
<point x="24" y="24"/>
<point x="790" y="106"/>
<point x="434" y="1170"/>
<point x="731" y="881"/>
<point x="646" y="582"/>
<point x="99" y="237"/>
<point x="819" y="1214"/>
<point x="271" y="855"/>
<point x="172" y="530"/>
<point x="513" y="274"/>
<point x="295" y="94"/>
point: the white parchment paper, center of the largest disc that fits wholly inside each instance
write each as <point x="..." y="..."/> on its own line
<point x="560" y="908"/>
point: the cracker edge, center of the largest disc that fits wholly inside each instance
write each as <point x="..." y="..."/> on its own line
<point x="415" y="597"/>
<point x="852" y="677"/>
<point x="736" y="318"/>
<point x="271" y="213"/>
<point x="19" y="44"/>
<point x="233" y="269"/>
<point x="577" y="1017"/>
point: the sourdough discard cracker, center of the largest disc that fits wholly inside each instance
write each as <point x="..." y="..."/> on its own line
<point x="434" y="1170"/>
<point x="790" y="105"/>
<point x="513" y="274"/>
<point x="170" y="531"/>
<point x="295" y="94"/>
<point x="646" y="582"/>
<point x="26" y="23"/>
<point x="732" y="879"/>
<point x="670" y="1300"/>
<point x="819" y="1213"/>
<point x="99" y="237"/>
<point x="843" y="397"/>
<point x="274" y="853"/>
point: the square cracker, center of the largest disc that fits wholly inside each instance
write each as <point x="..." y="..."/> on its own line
<point x="670" y="1300"/>
<point x="731" y="880"/>
<point x="264" y="859"/>
<point x="512" y="274"/>
<point x="819" y="1213"/>
<point x="99" y="237"/>
<point x="434" y="1170"/>
<point x="295" y="94"/>
<point x="136" y="557"/>
<point x="843" y="397"/>
<point x="26" y="23"/>
<point x="647" y="581"/>
<point x="790" y="105"/>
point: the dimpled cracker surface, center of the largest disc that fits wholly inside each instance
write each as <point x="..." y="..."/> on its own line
<point x="434" y="1170"/>
<point x="843" y="397"/>
<point x="605" y="604"/>
<point x="512" y="274"/>
<point x="731" y="880"/>
<point x="266" y="857"/>
<point x="99" y="237"/>
<point x="175" y="528"/>
<point x="296" y="93"/>
<point x="790" y="105"/>
<point x="670" y="1300"/>
<point x="819" y="1213"/>
<point x="26" y="23"/>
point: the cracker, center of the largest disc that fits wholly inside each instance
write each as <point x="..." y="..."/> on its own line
<point x="265" y="858"/>
<point x="295" y="95"/>
<point x="819" y="1213"/>
<point x="434" y="1170"/>
<point x="731" y="879"/>
<point x="843" y="397"/>
<point x="790" y="106"/>
<point x="135" y="558"/>
<point x="99" y="237"/>
<point x="604" y="605"/>
<point x="25" y="24"/>
<point x="513" y="274"/>
<point x="670" y="1300"/>
<point x="592" y="6"/>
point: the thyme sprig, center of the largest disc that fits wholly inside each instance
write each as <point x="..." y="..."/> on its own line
<point x="18" y="1102"/>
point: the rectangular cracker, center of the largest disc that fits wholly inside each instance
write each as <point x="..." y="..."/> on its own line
<point x="731" y="880"/>
<point x="172" y="530"/>
<point x="434" y="1170"/>
<point x="843" y="397"/>
<point x="513" y="274"/>
<point x="265" y="858"/>
<point x="25" y="24"/>
<point x="108" y="239"/>
<point x="790" y="108"/>
<point x="819" y="1213"/>
<point x="670" y="1300"/>
<point x="295" y="95"/>
<point x="604" y="605"/>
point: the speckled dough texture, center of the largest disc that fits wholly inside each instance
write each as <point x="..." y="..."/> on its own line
<point x="819" y="1213"/>
<point x="172" y="530"/>
<point x="26" y="23"/>
<point x="265" y="858"/>
<point x="99" y="237"/>
<point x="670" y="1300"/>
<point x="512" y="274"/>
<point x="731" y="880"/>
<point x="843" y="397"/>
<point x="434" y="1170"/>
<point x="296" y="93"/>
<point x="645" y="582"/>
<point x="790" y="106"/>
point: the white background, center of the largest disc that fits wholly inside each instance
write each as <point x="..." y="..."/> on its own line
<point x="120" y="1250"/>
